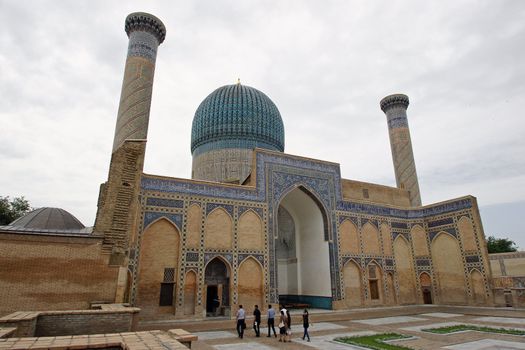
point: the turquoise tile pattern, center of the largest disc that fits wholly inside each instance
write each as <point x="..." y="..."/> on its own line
<point x="237" y="116"/>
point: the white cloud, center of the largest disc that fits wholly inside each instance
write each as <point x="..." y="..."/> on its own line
<point x="326" y="65"/>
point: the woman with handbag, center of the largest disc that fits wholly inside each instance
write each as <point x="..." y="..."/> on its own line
<point x="288" y="326"/>
<point x="283" y="321"/>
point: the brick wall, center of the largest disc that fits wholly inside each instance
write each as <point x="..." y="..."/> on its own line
<point x="58" y="323"/>
<point x="364" y="191"/>
<point x="88" y="322"/>
<point x="40" y="272"/>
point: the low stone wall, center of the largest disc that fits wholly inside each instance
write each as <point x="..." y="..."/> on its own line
<point x="76" y="322"/>
<point x="173" y="339"/>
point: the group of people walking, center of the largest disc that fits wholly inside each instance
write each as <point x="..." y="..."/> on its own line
<point x="284" y="325"/>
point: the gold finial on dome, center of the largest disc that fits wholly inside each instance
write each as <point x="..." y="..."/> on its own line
<point x="238" y="81"/>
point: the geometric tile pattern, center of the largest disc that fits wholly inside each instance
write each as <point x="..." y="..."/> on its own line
<point x="276" y="175"/>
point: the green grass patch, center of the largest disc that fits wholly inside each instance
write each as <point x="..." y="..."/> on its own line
<point x="466" y="327"/>
<point x="375" y="341"/>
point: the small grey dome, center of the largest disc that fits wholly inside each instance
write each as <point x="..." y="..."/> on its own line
<point x="48" y="219"/>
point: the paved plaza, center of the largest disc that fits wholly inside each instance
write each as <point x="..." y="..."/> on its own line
<point x="409" y="320"/>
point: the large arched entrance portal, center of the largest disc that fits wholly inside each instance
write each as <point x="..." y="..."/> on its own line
<point x="217" y="281"/>
<point x="303" y="262"/>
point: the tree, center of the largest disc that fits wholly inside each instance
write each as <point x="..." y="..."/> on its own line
<point x="10" y="210"/>
<point x="500" y="245"/>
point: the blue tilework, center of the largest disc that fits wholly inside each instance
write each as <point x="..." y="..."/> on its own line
<point x="378" y="261"/>
<point x="164" y="202"/>
<point x="242" y="257"/>
<point x="373" y="222"/>
<point x="397" y="123"/>
<point x="151" y="216"/>
<point x="401" y="225"/>
<point x="237" y="116"/>
<point x="472" y="258"/>
<point x="211" y="206"/>
<point x="243" y="209"/>
<point x="445" y="221"/>
<point x="143" y="44"/>
<point x="277" y="174"/>
<point x="353" y="219"/>
<point x="316" y="302"/>
<point x="422" y="262"/>
<point x="210" y="256"/>
<point x="451" y="231"/>
<point x="395" y="234"/>
<point x="192" y="257"/>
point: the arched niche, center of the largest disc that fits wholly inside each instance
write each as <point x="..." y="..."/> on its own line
<point x="190" y="292"/>
<point x="375" y="282"/>
<point x="158" y="267"/>
<point x="426" y="287"/>
<point x="466" y="231"/>
<point x="391" y="289"/>
<point x="218" y="230"/>
<point x="250" y="284"/>
<point x="370" y="236"/>
<point x="405" y="271"/>
<point x="193" y="226"/>
<point x="352" y="283"/>
<point x="448" y="269"/>
<point x="387" y="239"/>
<point x="419" y="240"/>
<point x="250" y="231"/>
<point x="305" y="251"/>
<point x="477" y="284"/>
<point x="348" y="237"/>
<point x="217" y="287"/>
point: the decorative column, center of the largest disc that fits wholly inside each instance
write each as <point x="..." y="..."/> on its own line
<point x="395" y="108"/>
<point x="146" y="32"/>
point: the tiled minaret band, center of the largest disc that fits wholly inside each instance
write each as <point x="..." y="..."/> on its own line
<point x="146" y="32"/>
<point x="395" y="108"/>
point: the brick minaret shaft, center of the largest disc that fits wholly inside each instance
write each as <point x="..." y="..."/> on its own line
<point x="118" y="203"/>
<point x="395" y="108"/>
<point x="146" y="32"/>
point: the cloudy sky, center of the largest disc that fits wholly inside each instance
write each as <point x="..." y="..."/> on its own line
<point x="325" y="64"/>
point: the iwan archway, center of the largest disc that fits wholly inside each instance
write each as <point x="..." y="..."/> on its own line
<point x="302" y="251"/>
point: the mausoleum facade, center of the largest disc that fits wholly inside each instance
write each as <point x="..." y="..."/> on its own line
<point x="253" y="225"/>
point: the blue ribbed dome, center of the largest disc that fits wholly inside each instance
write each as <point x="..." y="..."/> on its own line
<point x="237" y="116"/>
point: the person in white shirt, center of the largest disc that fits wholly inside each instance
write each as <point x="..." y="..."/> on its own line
<point x="241" y="325"/>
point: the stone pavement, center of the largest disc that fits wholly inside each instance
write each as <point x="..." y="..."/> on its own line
<point x="130" y="340"/>
<point x="408" y="320"/>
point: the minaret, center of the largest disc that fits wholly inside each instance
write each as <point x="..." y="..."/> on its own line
<point x="146" y="32"/>
<point x="395" y="108"/>
<point x="118" y="203"/>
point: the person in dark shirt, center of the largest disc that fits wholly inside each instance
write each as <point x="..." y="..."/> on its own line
<point x="306" y="324"/>
<point x="271" y="321"/>
<point x="257" y="321"/>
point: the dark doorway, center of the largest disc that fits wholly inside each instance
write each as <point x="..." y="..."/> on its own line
<point x="212" y="299"/>
<point x="427" y="296"/>
<point x="217" y="280"/>
<point x="166" y="294"/>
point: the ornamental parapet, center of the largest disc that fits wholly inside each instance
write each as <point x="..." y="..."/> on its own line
<point x="394" y="100"/>
<point x="141" y="21"/>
